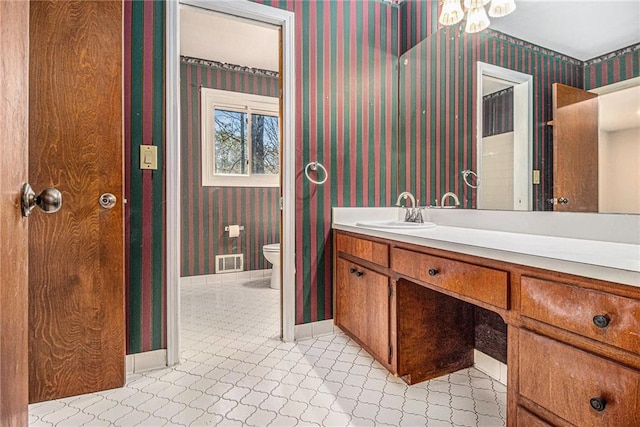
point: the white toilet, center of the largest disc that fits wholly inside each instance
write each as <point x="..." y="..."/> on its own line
<point x="272" y="254"/>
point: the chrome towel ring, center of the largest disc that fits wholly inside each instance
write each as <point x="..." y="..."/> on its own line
<point x="314" y="166"/>
<point x="465" y="176"/>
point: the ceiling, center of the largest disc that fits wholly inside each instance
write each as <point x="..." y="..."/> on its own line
<point x="223" y="38"/>
<point x="580" y="29"/>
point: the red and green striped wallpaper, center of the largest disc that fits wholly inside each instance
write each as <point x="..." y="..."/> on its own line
<point x="144" y="52"/>
<point x="612" y="68"/>
<point x="346" y="103"/>
<point x="437" y="107"/>
<point x="207" y="210"/>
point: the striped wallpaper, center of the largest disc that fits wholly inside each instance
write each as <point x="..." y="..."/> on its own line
<point x="612" y="68"/>
<point x="346" y="104"/>
<point x="144" y="23"/>
<point x="438" y="114"/>
<point x="207" y="210"/>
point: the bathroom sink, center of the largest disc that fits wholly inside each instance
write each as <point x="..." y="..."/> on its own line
<point x="396" y="224"/>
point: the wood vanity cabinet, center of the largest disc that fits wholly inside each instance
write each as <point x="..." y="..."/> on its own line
<point x="573" y="342"/>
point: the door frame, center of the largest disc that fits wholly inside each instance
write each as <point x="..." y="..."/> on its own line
<point x="256" y="12"/>
<point x="522" y="126"/>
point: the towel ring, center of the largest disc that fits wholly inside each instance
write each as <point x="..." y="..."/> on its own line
<point x="314" y="166"/>
<point x="465" y="176"/>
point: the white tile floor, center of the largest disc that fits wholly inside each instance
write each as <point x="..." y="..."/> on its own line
<point x="235" y="371"/>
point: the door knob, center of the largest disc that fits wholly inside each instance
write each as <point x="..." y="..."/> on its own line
<point x="107" y="200"/>
<point x="49" y="200"/>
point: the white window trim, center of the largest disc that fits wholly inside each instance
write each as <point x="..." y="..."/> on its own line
<point x="210" y="99"/>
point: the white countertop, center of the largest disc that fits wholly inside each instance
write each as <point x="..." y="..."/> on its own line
<point x="599" y="259"/>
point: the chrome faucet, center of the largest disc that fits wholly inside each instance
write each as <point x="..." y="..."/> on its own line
<point x="406" y="195"/>
<point x="414" y="213"/>
<point x="447" y="195"/>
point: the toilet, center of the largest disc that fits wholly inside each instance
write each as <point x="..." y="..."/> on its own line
<point x="272" y="254"/>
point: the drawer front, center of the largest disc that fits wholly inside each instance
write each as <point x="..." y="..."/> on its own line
<point x="576" y="309"/>
<point x="564" y="380"/>
<point x="480" y="283"/>
<point x="368" y="250"/>
<point x="527" y="419"/>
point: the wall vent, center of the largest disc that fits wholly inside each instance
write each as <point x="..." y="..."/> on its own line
<point x="229" y="263"/>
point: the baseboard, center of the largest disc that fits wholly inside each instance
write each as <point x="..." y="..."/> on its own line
<point x="313" y="329"/>
<point x="147" y="361"/>
<point x="240" y="276"/>
<point x="490" y="366"/>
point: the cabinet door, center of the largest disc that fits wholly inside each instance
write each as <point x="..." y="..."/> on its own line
<point x="375" y="302"/>
<point x="362" y="307"/>
<point x="349" y="309"/>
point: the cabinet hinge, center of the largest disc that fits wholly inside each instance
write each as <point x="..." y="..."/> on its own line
<point x="390" y="290"/>
<point x="390" y="351"/>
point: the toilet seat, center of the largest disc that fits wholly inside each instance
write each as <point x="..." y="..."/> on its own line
<point x="273" y="247"/>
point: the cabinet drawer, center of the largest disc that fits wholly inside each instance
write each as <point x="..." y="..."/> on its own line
<point x="527" y="419"/>
<point x="564" y="380"/>
<point x="480" y="283"/>
<point x="576" y="309"/>
<point x="362" y="248"/>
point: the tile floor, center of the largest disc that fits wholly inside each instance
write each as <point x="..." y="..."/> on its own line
<point x="235" y="371"/>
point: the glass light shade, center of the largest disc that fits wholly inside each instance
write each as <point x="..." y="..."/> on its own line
<point x="451" y="12"/>
<point x="501" y="8"/>
<point x="469" y="4"/>
<point x="477" y="20"/>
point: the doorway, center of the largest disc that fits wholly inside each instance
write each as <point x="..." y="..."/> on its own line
<point x="283" y="20"/>
<point x="504" y="152"/>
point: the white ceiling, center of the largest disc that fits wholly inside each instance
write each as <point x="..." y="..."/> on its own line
<point x="223" y="38"/>
<point x="580" y="29"/>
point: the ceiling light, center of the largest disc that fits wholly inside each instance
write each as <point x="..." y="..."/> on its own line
<point x="500" y="8"/>
<point x="477" y="19"/>
<point x="451" y="12"/>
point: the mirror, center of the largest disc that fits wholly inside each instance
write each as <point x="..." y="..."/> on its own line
<point x="441" y="142"/>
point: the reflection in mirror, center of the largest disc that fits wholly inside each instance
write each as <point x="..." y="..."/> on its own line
<point x="438" y="111"/>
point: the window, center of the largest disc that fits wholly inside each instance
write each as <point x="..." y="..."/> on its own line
<point x="240" y="139"/>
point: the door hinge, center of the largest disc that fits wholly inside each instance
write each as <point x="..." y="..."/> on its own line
<point x="281" y="203"/>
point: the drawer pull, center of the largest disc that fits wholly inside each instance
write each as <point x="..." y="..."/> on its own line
<point x="352" y="270"/>
<point x="359" y="273"/>
<point x="598" y="404"/>
<point x="601" y="321"/>
<point x="433" y="272"/>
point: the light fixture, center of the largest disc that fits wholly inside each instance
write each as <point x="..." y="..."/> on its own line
<point x="477" y="19"/>
<point x="451" y="12"/>
<point x="500" y="8"/>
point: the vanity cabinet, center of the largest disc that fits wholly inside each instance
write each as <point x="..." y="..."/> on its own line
<point x="579" y="353"/>
<point x="574" y="342"/>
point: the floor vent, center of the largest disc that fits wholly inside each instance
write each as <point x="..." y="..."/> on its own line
<point x="229" y="263"/>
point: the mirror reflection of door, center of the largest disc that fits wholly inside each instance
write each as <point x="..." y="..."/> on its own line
<point x="504" y="137"/>
<point x="575" y="150"/>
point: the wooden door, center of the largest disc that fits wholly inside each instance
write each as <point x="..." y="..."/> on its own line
<point x="375" y="300"/>
<point x="575" y="149"/>
<point x="14" y="102"/>
<point x="76" y="256"/>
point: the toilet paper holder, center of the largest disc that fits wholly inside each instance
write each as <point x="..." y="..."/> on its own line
<point x="240" y="227"/>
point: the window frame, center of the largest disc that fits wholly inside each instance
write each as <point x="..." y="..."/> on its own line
<point x="212" y="99"/>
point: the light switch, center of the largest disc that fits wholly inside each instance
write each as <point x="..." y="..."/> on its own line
<point x="536" y="176"/>
<point x="148" y="157"/>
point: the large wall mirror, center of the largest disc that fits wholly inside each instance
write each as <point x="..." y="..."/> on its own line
<point x="483" y="115"/>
